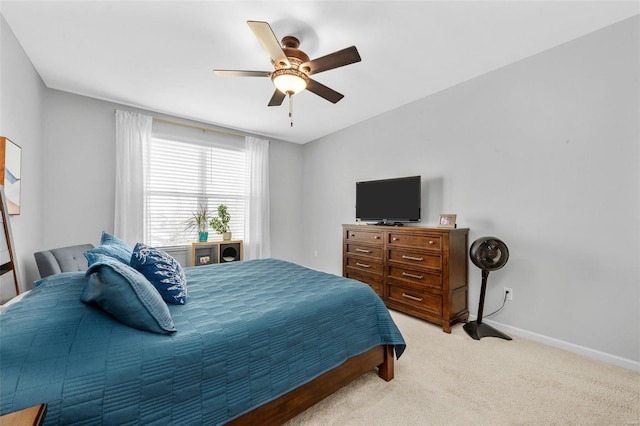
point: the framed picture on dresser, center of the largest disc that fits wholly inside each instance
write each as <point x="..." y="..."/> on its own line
<point x="447" y="221"/>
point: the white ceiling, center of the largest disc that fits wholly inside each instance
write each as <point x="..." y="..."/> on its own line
<point x="158" y="55"/>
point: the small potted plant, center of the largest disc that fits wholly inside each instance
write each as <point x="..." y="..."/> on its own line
<point x="221" y="223"/>
<point x="200" y="221"/>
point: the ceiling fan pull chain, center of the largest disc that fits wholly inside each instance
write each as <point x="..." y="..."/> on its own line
<point x="290" y="107"/>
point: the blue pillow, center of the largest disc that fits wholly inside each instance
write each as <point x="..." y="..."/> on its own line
<point x="127" y="295"/>
<point x="94" y="256"/>
<point x="111" y="246"/>
<point x="163" y="271"/>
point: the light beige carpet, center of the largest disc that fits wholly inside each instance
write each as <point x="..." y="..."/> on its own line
<point x="450" y="379"/>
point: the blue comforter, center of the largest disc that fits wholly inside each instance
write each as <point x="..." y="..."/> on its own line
<point x="250" y="332"/>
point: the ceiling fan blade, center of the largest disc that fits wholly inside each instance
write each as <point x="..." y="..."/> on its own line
<point x="333" y="60"/>
<point x="238" y="73"/>
<point x="323" y="91"/>
<point x="268" y="39"/>
<point x="277" y="98"/>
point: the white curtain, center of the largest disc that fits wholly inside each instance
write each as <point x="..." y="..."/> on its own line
<point x="133" y="132"/>
<point x="257" y="238"/>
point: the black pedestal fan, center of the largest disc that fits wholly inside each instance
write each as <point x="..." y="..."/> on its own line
<point x="488" y="254"/>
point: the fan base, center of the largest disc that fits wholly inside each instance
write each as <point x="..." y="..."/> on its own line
<point x="478" y="331"/>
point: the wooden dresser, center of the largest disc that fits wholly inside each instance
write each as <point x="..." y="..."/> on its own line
<point x="419" y="271"/>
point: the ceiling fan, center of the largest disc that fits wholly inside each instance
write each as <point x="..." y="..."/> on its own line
<point x="293" y="67"/>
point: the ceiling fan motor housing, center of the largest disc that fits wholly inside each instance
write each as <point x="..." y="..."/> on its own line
<point x="291" y="75"/>
<point x="295" y="56"/>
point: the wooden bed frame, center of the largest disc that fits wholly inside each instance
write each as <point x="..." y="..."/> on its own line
<point x="298" y="400"/>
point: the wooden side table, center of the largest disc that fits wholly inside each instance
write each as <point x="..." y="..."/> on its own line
<point x="32" y="416"/>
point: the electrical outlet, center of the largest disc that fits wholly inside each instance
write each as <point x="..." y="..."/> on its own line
<point x="508" y="293"/>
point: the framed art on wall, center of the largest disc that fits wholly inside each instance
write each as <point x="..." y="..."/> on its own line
<point x="10" y="173"/>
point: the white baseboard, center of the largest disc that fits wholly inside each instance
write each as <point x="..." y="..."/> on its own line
<point x="571" y="347"/>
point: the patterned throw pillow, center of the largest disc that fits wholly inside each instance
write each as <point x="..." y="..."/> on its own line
<point x="127" y="295"/>
<point x="163" y="271"/>
<point x="111" y="246"/>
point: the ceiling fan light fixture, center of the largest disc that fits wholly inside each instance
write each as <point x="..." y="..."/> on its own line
<point x="289" y="80"/>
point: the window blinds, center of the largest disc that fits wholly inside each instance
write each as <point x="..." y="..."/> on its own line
<point x="181" y="176"/>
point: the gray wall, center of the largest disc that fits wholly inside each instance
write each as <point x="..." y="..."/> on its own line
<point x="22" y="94"/>
<point x="80" y="175"/>
<point x="544" y="154"/>
<point x="68" y="166"/>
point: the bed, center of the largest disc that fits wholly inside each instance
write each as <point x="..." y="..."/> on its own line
<point x="258" y="341"/>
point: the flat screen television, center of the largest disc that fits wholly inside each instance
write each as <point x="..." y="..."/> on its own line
<point x="389" y="201"/>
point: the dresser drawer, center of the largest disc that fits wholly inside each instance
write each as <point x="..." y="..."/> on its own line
<point x="365" y="265"/>
<point x="417" y="299"/>
<point x="374" y="282"/>
<point x="422" y="278"/>
<point x="429" y="242"/>
<point x="374" y="237"/>
<point x="431" y="261"/>
<point x="361" y="250"/>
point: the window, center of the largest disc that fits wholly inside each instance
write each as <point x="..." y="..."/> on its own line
<point x="179" y="177"/>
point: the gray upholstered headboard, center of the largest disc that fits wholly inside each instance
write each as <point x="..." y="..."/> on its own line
<point x="63" y="259"/>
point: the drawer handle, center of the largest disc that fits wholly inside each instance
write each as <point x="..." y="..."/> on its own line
<point x="418" y="259"/>
<point x="406" y="274"/>
<point x="408" y="296"/>
<point x="431" y="242"/>
<point x="395" y="239"/>
<point x="363" y="265"/>
<point x="353" y="235"/>
<point x="376" y="237"/>
<point x="363" y="250"/>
